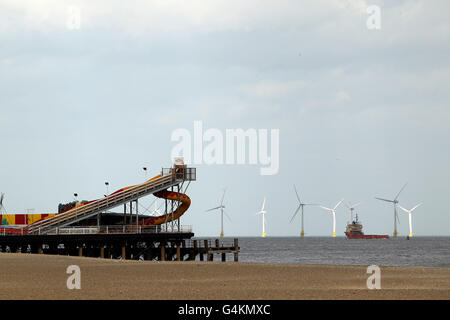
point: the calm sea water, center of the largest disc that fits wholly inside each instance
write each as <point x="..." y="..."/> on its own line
<point x="419" y="251"/>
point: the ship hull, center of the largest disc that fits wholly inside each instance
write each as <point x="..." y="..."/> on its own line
<point x="366" y="236"/>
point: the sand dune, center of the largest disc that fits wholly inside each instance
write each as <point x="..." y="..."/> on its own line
<point x="26" y="276"/>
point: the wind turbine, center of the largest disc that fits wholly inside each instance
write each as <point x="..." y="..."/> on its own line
<point x="333" y="211"/>
<point x="409" y="216"/>
<point x="395" y="202"/>
<point x="351" y="208"/>
<point x="156" y="211"/>
<point x="300" y="206"/>
<point x="263" y="213"/>
<point x="222" y="212"/>
<point x="2" y="207"/>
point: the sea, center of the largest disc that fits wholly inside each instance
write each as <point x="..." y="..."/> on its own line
<point x="418" y="251"/>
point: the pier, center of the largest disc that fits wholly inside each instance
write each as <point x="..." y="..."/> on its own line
<point x="90" y="229"/>
<point x="126" y="243"/>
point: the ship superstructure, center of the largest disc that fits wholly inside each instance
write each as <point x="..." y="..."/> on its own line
<point x="354" y="231"/>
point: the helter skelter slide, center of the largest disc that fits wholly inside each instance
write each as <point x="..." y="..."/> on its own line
<point x="81" y="212"/>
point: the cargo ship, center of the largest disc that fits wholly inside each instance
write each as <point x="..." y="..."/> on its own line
<point x="354" y="231"/>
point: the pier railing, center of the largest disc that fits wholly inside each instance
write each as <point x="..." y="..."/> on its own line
<point x="111" y="229"/>
<point x="4" y="231"/>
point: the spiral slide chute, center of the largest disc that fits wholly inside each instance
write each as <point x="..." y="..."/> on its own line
<point x="169" y="195"/>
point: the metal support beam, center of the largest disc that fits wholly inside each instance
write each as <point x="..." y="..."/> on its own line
<point x="124" y="214"/>
<point x="131" y="213"/>
<point x="137" y="216"/>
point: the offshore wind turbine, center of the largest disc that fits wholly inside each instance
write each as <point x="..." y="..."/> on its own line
<point x="221" y="207"/>
<point x="2" y="207"/>
<point x="395" y="202"/>
<point x="263" y="213"/>
<point x="300" y="207"/>
<point x="333" y="211"/>
<point x="156" y="211"/>
<point x="409" y="216"/>
<point x="351" y="208"/>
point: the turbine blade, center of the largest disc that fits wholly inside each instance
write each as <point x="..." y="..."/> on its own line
<point x="264" y="203"/>
<point x="223" y="196"/>
<point x="298" y="197"/>
<point x="355" y="205"/>
<point x="338" y="204"/>
<point x="400" y="191"/>
<point x="384" y="199"/>
<point x="415" y="207"/>
<point x="227" y="215"/>
<point x="213" y="208"/>
<point x="326" y="208"/>
<point x="296" y="211"/>
<point x="407" y="211"/>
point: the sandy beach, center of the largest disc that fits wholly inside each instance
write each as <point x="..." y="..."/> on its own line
<point x="27" y="276"/>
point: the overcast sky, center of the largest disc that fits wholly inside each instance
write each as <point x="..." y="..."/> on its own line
<point x="360" y="111"/>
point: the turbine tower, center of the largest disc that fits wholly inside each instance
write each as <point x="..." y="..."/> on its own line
<point x="351" y="208"/>
<point x="333" y="211"/>
<point x="300" y="207"/>
<point x="2" y="207"/>
<point x="263" y="213"/>
<point x="409" y="216"/>
<point x="395" y="202"/>
<point x="222" y="212"/>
